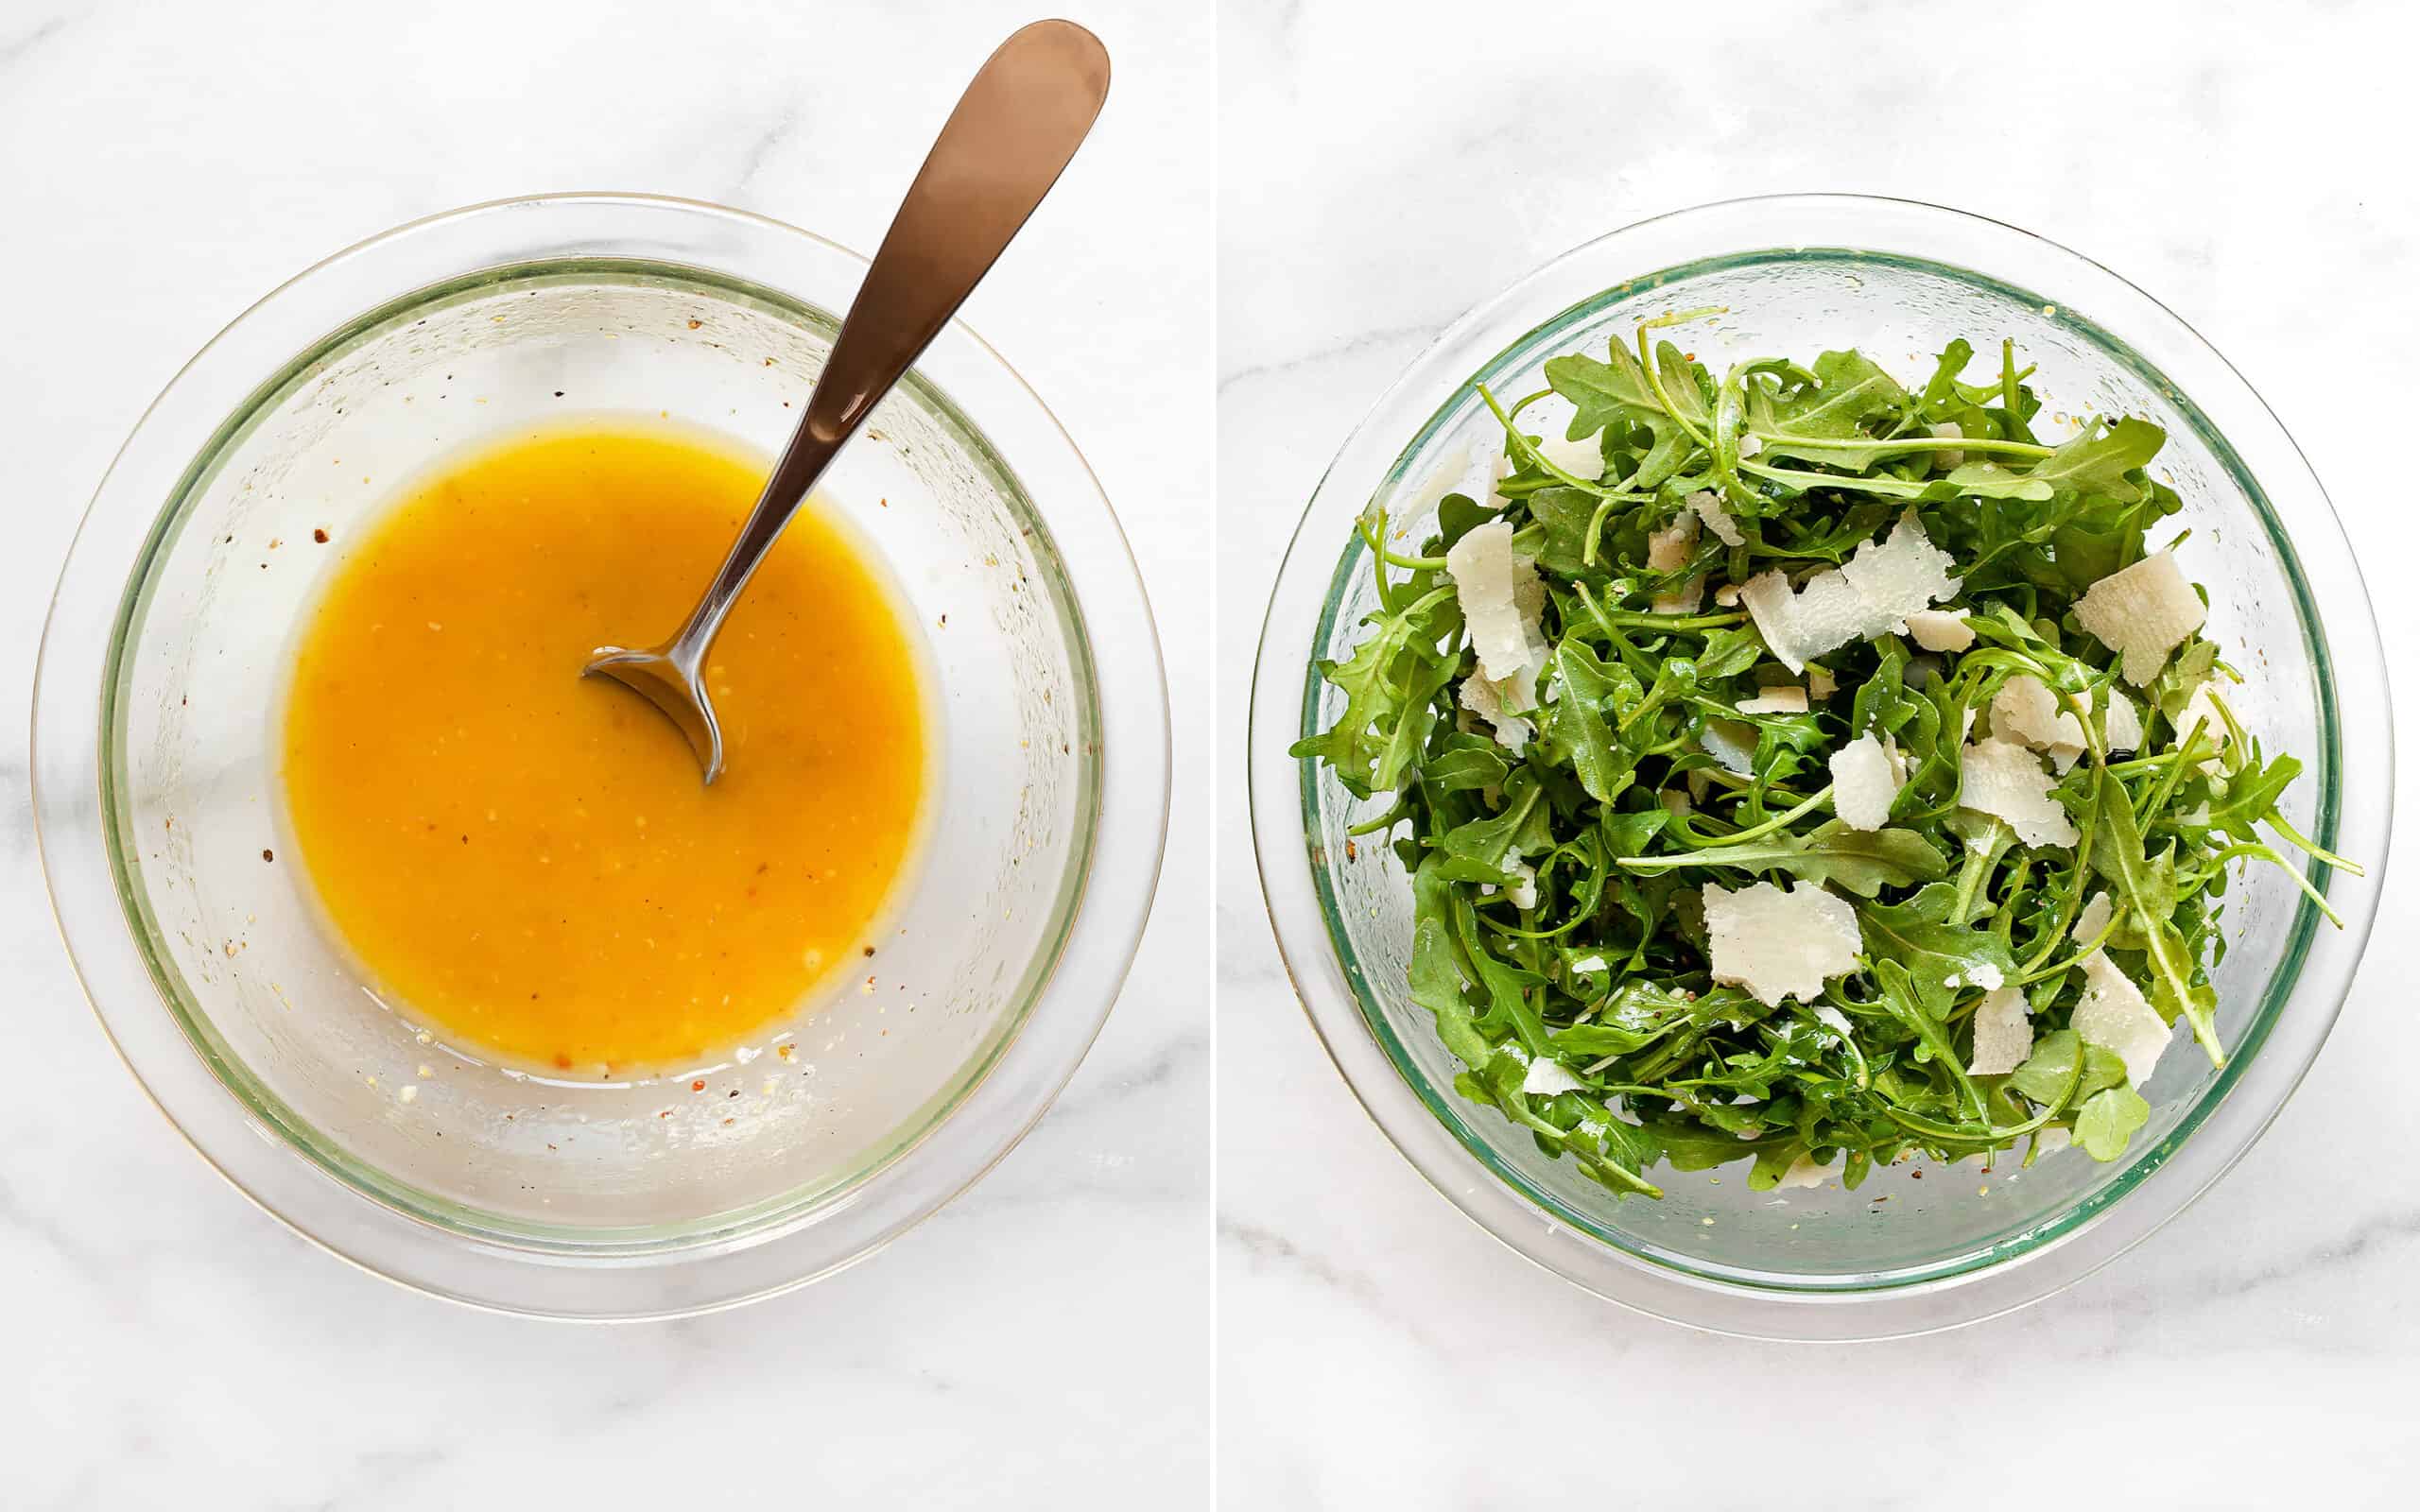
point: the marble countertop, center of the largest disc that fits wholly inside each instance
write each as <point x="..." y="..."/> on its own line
<point x="1378" y="180"/>
<point x="166" y="1345"/>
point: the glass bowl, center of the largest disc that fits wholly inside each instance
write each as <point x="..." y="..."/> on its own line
<point x="1800" y="275"/>
<point x="154" y="763"/>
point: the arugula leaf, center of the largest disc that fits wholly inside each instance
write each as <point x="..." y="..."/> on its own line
<point x="1940" y="952"/>
<point x="2108" y="1120"/>
<point x="1864" y="861"/>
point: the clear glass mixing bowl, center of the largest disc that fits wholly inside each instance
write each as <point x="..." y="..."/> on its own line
<point x="1801" y="275"/>
<point x="154" y="760"/>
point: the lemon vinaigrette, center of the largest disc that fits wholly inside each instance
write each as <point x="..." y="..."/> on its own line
<point x="527" y="859"/>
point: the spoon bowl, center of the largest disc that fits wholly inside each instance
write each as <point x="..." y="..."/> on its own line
<point x="1028" y="109"/>
<point x="667" y="678"/>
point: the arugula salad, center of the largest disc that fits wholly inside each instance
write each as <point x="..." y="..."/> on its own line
<point x="1794" y="766"/>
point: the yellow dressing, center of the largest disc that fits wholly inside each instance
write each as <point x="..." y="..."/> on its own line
<point x="527" y="859"/>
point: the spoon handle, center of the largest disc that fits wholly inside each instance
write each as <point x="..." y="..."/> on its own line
<point x="1021" y="119"/>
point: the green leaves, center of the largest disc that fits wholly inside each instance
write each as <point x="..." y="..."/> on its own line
<point x="1577" y="731"/>
<point x="2100" y="458"/>
<point x="1558" y="894"/>
<point x="2108" y="1120"/>
<point x="2147" y="890"/>
<point x="1863" y="861"/>
<point x="1943" y="956"/>
<point x="1615" y="395"/>
<point x="1390" y="682"/>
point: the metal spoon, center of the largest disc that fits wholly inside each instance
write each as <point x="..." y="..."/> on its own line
<point x="1013" y="131"/>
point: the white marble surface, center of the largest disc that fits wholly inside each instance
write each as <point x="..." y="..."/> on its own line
<point x="162" y="1344"/>
<point x="1383" y="167"/>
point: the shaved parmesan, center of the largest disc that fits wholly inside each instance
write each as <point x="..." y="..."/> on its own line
<point x="2115" y="1016"/>
<point x="1819" y="685"/>
<point x="1500" y="595"/>
<point x="1779" y="699"/>
<point x="2142" y="612"/>
<point x="1804" y="1172"/>
<point x="2121" y="724"/>
<point x="1731" y="744"/>
<point x="1779" y="944"/>
<point x="1903" y="573"/>
<point x="1708" y="505"/>
<point x="1863" y="784"/>
<point x="1583" y="459"/>
<point x="1834" y="1019"/>
<point x="1985" y="975"/>
<point x="1447" y="477"/>
<point x="1523" y="891"/>
<point x="2008" y="783"/>
<point x="2094" y="918"/>
<point x="1941" y="629"/>
<point x="1487" y="700"/>
<point x="2027" y="712"/>
<point x="2003" y="1033"/>
<point x="1874" y="592"/>
<point x="1546" y="1078"/>
<point x="1727" y="595"/>
<point x="1668" y="551"/>
<point x="1822" y="615"/>
<point x="1588" y="963"/>
<point x="1947" y="456"/>
<point x="2200" y="710"/>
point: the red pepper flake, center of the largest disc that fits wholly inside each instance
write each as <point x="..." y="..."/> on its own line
<point x="563" y="1062"/>
<point x="697" y="1086"/>
<point x="268" y="854"/>
<point x="1352" y="852"/>
<point x="694" y="324"/>
<point x="868" y="952"/>
<point x="320" y="536"/>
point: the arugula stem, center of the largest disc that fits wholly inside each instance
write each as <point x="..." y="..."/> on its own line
<point x="1778" y="821"/>
<point x="2293" y="837"/>
<point x="1925" y="443"/>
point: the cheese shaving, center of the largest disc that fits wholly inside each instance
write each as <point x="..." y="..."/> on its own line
<point x="1548" y="1078"/>
<point x="1941" y="629"/>
<point x="1486" y="699"/>
<point x="1708" y="505"/>
<point x="2142" y="612"/>
<point x="1583" y="459"/>
<point x="1779" y="944"/>
<point x="1874" y="591"/>
<point x="1501" y="596"/>
<point x="1863" y="784"/>
<point x="2008" y="783"/>
<point x="2115" y="1016"/>
<point x="2027" y="711"/>
<point x="1668" y="551"/>
<point x="2003" y="1033"/>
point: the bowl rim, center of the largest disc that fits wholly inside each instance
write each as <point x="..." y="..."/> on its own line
<point x="767" y="1246"/>
<point x="1514" y="325"/>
